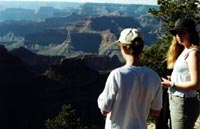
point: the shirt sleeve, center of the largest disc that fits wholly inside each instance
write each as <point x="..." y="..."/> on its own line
<point x="107" y="98"/>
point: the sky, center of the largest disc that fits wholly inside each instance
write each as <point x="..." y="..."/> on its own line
<point x="149" y="2"/>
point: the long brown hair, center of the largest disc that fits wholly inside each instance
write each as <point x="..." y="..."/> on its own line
<point x="175" y="49"/>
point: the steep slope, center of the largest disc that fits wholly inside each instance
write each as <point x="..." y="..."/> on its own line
<point x="28" y="99"/>
<point x="82" y="84"/>
<point x="39" y="63"/>
<point x="23" y="94"/>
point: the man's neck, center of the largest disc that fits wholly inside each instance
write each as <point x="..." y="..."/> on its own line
<point x="133" y="61"/>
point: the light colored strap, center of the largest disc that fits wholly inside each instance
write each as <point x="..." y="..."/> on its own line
<point x="187" y="54"/>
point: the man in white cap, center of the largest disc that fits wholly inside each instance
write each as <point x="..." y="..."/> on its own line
<point x="132" y="91"/>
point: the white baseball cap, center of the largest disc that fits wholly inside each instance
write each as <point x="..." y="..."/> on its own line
<point x="128" y="35"/>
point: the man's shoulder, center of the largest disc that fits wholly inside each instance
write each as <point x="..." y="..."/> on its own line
<point x="152" y="73"/>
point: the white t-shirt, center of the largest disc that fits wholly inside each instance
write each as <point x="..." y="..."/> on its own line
<point x="129" y="94"/>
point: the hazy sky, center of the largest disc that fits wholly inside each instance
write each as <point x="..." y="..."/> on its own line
<point x="151" y="2"/>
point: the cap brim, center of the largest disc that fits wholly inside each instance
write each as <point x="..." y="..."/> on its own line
<point x="173" y="30"/>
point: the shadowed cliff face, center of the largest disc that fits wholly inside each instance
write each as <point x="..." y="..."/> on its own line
<point x="82" y="87"/>
<point x="29" y="99"/>
<point x="38" y="63"/>
<point x="48" y="36"/>
<point x="113" y="23"/>
<point x="86" y="42"/>
<point x="16" y="92"/>
<point x="22" y="94"/>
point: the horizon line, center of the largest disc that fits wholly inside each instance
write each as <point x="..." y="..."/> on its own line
<point x="74" y="2"/>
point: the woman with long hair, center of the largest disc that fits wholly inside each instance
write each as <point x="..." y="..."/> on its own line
<point x="184" y="58"/>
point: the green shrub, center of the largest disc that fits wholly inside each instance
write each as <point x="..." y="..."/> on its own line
<point x="66" y="119"/>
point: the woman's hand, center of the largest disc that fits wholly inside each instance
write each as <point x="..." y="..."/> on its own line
<point x="165" y="83"/>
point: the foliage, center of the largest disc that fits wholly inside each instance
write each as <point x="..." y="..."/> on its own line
<point x="170" y="10"/>
<point x="66" y="119"/>
<point x="154" y="57"/>
<point x="151" y="119"/>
